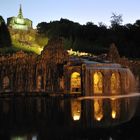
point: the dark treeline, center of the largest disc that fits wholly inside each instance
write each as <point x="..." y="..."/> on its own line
<point x="95" y="39"/>
<point x="5" y="39"/>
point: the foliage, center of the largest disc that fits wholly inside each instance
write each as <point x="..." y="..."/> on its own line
<point x="5" y="40"/>
<point x="95" y="39"/>
<point x="116" y="19"/>
<point x="41" y="40"/>
<point x="34" y="48"/>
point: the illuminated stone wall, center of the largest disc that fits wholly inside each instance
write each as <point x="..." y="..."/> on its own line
<point x="98" y="78"/>
<point x="54" y="71"/>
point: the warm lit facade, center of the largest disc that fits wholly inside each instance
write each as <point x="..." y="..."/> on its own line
<point x="55" y="71"/>
<point x="96" y="78"/>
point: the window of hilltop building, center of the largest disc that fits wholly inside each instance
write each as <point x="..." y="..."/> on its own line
<point x="115" y="83"/>
<point x="76" y="109"/>
<point x="6" y="82"/>
<point x="98" y="83"/>
<point x="39" y="82"/>
<point x="75" y="82"/>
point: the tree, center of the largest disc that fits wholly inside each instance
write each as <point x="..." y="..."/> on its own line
<point x="42" y="27"/>
<point x="116" y="19"/>
<point x="5" y="39"/>
<point x="137" y="23"/>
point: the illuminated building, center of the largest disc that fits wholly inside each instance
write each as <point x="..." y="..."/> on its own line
<point x="19" y="22"/>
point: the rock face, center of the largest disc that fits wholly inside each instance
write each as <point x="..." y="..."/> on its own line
<point x="23" y="72"/>
<point x="113" y="54"/>
<point x="133" y="65"/>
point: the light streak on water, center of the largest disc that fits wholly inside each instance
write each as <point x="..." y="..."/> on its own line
<point x="131" y="95"/>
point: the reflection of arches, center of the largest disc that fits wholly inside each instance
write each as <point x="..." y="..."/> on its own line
<point x="115" y="108"/>
<point x="6" y="82"/>
<point x="98" y="109"/>
<point x="75" y="82"/>
<point x="115" y="88"/>
<point x="39" y="82"/>
<point x="98" y="82"/>
<point x="76" y="109"/>
<point x="115" y="83"/>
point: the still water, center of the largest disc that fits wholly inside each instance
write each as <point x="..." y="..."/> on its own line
<point x="69" y="118"/>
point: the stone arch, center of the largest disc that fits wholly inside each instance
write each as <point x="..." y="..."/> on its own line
<point x="98" y="83"/>
<point x="6" y="82"/>
<point x="115" y="83"/>
<point x="39" y="82"/>
<point x="75" y="82"/>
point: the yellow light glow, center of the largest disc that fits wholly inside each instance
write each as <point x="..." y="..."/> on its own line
<point x="76" y="110"/>
<point x="98" y="110"/>
<point x="99" y="118"/>
<point x="98" y="82"/>
<point x="115" y="83"/>
<point x="76" y="117"/>
<point x="75" y="82"/>
<point x="75" y="75"/>
<point x="114" y="114"/>
<point x="113" y="98"/>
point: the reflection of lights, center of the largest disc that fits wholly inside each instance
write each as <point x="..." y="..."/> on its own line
<point x="98" y="110"/>
<point x="19" y="138"/>
<point x="113" y="98"/>
<point x="76" y="110"/>
<point x="25" y="137"/>
<point x="99" y="118"/>
<point x="113" y="114"/>
<point x="34" y="137"/>
<point x="76" y="117"/>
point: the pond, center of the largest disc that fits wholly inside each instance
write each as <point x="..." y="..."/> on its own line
<point x="40" y="117"/>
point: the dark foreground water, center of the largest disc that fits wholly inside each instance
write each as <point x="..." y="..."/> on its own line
<point x="59" y="118"/>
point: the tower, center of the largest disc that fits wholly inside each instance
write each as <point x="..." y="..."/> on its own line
<point x="20" y="15"/>
<point x="19" y="22"/>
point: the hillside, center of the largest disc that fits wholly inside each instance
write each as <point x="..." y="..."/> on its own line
<point x="28" y="41"/>
<point x="93" y="38"/>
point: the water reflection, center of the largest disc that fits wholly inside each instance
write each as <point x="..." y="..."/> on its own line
<point x="76" y="109"/>
<point x="25" y="137"/>
<point x="115" y="107"/>
<point x="98" y="109"/>
<point x="40" y="117"/>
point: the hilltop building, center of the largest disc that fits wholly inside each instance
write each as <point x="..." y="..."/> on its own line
<point x="19" y="22"/>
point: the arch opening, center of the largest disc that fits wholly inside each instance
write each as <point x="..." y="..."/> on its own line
<point x="75" y="82"/>
<point x="98" y="83"/>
